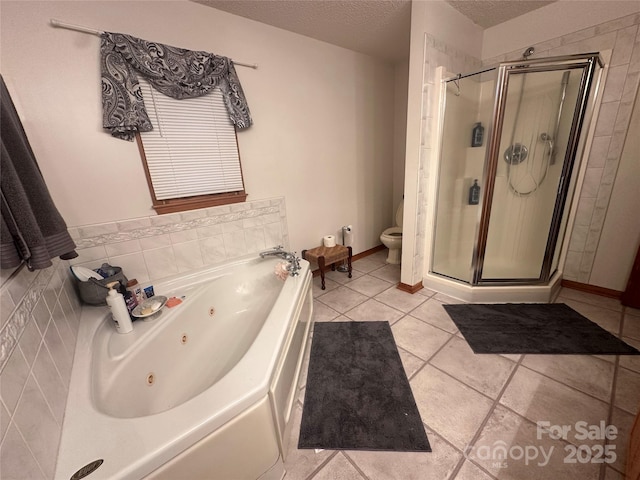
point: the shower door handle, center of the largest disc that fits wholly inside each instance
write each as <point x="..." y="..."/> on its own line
<point x="560" y="185"/>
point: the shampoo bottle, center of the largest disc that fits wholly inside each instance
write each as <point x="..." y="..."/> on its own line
<point x="477" y="135"/>
<point x="474" y="193"/>
<point x="119" y="310"/>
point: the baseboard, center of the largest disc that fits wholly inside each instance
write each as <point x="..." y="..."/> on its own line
<point x="585" y="287"/>
<point x="366" y="253"/>
<point x="410" y="288"/>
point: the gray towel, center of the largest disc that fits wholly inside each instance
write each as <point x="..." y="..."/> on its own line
<point x="31" y="228"/>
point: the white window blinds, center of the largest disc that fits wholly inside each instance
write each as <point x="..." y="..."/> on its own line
<point x="192" y="149"/>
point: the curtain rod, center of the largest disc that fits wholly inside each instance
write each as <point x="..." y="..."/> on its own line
<point x="80" y="28"/>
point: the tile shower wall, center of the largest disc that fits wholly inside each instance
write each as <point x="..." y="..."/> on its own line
<point x="40" y="311"/>
<point x="39" y="314"/>
<point x="622" y="36"/>
<point x="154" y="247"/>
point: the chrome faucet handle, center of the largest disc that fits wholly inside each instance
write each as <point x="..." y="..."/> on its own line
<point x="294" y="264"/>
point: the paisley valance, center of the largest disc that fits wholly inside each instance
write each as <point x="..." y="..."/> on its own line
<point x="173" y="71"/>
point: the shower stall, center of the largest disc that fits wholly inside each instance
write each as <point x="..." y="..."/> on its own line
<point x="503" y="240"/>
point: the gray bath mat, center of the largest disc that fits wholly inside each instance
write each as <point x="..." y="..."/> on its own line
<point x="357" y="395"/>
<point x="545" y="328"/>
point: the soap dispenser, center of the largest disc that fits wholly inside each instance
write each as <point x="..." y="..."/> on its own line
<point x="477" y="135"/>
<point x="474" y="193"/>
<point x="119" y="310"/>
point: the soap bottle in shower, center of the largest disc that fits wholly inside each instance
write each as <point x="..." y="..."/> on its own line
<point x="477" y="135"/>
<point x="474" y="193"/>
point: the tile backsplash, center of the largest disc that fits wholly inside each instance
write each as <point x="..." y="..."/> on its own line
<point x="154" y="247"/>
<point x="40" y="311"/>
<point x="40" y="315"/>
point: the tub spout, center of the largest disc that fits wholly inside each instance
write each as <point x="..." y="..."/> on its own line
<point x="294" y="262"/>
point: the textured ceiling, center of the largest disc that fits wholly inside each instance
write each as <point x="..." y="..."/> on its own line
<point x="379" y="28"/>
<point x="488" y="13"/>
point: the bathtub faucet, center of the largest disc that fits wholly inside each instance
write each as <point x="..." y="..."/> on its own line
<point x="294" y="262"/>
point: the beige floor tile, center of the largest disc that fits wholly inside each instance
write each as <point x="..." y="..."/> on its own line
<point x="328" y="285"/>
<point x="300" y="463"/>
<point x="372" y="310"/>
<point x="368" y="285"/>
<point x="632" y="311"/>
<point x="606" y="302"/>
<point x="403" y="301"/>
<point x="323" y="313"/>
<point x="526" y="457"/>
<point x="390" y="273"/>
<point x="540" y="399"/>
<point x="606" y="358"/>
<point x="469" y="471"/>
<point x="486" y="373"/>
<point x="632" y="362"/>
<point x="446" y="299"/>
<point x="559" y="389"/>
<point x="627" y="391"/>
<point x="410" y="362"/>
<point x="605" y="317"/>
<point x="338" y="468"/>
<point x="425" y="292"/>
<point x="368" y="264"/>
<point x="631" y="326"/>
<point x="342" y="299"/>
<point x="342" y="277"/>
<point x="514" y="357"/>
<point x="586" y="373"/>
<point x="623" y="422"/>
<point x="611" y="474"/>
<point x="436" y="465"/>
<point x="379" y="256"/>
<point x="434" y="313"/>
<point x="418" y="338"/>
<point x="449" y="407"/>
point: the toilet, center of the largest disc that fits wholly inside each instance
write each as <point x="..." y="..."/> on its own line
<point x="392" y="238"/>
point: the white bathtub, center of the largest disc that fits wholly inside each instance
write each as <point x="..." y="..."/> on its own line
<point x="202" y="390"/>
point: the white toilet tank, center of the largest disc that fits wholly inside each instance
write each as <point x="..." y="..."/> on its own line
<point x="400" y="213"/>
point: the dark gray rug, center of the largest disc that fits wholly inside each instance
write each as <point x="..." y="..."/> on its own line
<point x="357" y="395"/>
<point x="545" y="328"/>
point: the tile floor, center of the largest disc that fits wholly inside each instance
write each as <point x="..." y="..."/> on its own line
<point x="474" y="405"/>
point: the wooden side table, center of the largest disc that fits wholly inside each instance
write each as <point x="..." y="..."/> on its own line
<point x="324" y="256"/>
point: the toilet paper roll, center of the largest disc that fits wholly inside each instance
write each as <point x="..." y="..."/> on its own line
<point x="329" y="241"/>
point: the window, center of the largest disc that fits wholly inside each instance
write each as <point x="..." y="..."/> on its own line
<point x="191" y="156"/>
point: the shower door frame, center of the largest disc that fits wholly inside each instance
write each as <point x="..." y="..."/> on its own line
<point x="588" y="62"/>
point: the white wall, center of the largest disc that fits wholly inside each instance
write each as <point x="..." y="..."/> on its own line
<point x="440" y="36"/>
<point x="399" y="147"/>
<point x="324" y="116"/>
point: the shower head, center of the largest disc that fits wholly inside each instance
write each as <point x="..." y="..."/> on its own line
<point x="528" y="52"/>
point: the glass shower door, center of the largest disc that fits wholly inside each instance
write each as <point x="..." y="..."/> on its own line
<point x="535" y="134"/>
<point x="468" y="101"/>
